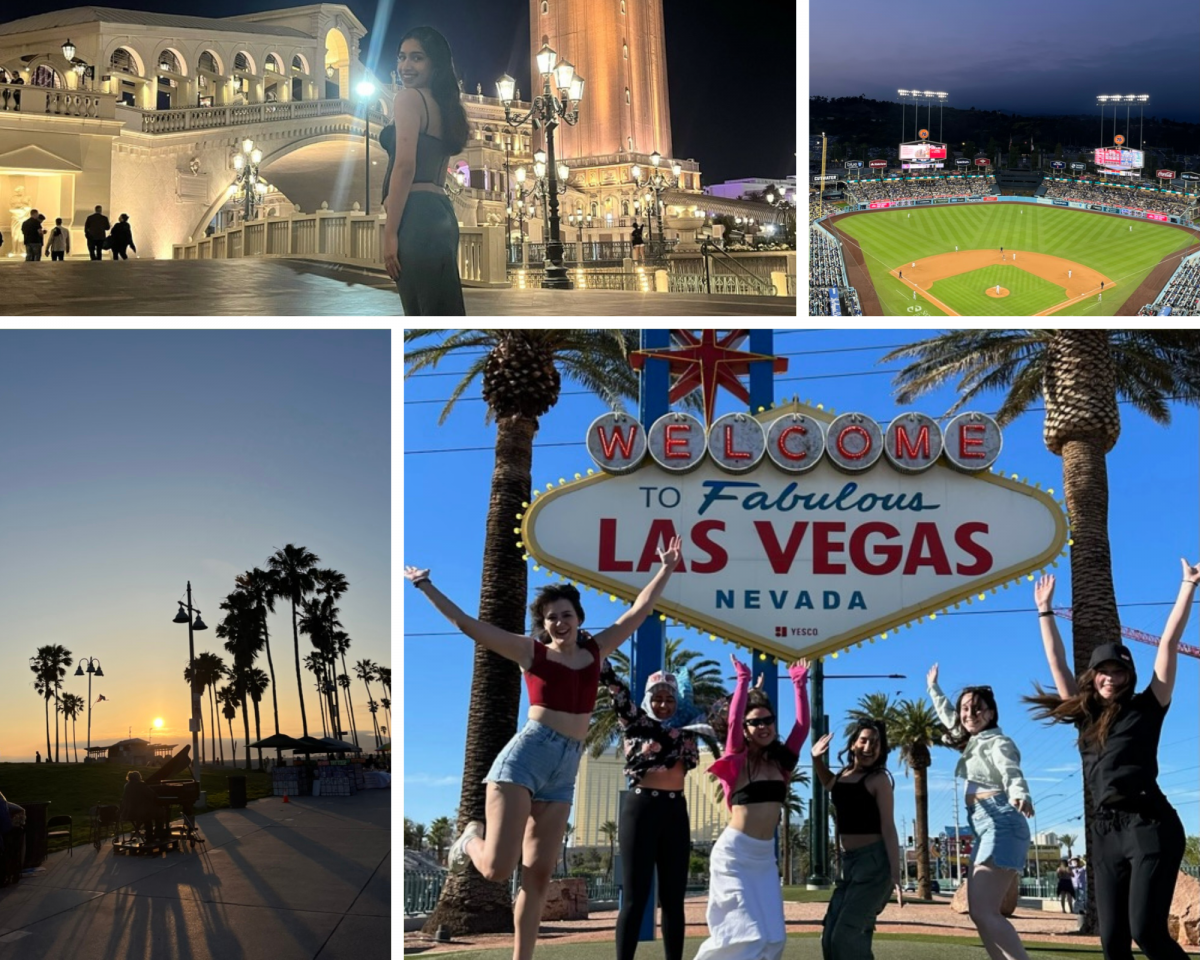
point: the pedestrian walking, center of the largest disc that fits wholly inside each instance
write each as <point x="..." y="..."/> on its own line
<point x="121" y="238"/>
<point x="1138" y="841"/>
<point x="31" y="236"/>
<point x="59" y="243"/>
<point x="41" y="246"/>
<point x="637" y="243"/>
<point x="95" y="228"/>
<point x="420" y="241"/>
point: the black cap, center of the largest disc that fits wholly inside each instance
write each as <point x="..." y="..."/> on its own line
<point x="1107" y="652"/>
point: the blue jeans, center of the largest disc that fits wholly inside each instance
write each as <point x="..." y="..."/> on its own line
<point x="540" y="759"/>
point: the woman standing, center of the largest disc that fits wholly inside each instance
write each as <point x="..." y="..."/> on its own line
<point x="745" y="902"/>
<point x="120" y="238"/>
<point x="998" y="802"/>
<point x="863" y="802"/>
<point x="531" y="784"/>
<point x="655" y="833"/>
<point x="1138" y="840"/>
<point x="1066" y="887"/>
<point x="420" y="240"/>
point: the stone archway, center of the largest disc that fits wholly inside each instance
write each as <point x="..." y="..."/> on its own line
<point x="337" y="60"/>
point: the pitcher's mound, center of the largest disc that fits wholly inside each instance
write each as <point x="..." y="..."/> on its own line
<point x="991" y="292"/>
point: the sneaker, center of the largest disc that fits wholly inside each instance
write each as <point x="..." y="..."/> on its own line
<point x="457" y="859"/>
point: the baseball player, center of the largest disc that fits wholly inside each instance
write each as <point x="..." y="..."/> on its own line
<point x="901" y="274"/>
<point x="914" y="294"/>
<point x="997" y="289"/>
<point x="908" y="216"/>
<point x="1131" y="228"/>
<point x="1001" y="253"/>
<point x="1014" y="256"/>
<point x="1068" y="274"/>
<point x="956" y="248"/>
<point x="914" y="263"/>
<point x="1101" y="286"/>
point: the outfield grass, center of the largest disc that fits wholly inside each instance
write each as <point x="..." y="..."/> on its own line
<point x="890" y="240"/>
<point x="72" y="788"/>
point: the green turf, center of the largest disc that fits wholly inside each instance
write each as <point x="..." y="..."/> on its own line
<point x="1027" y="294"/>
<point x="890" y="240"/>
<point x="72" y="788"/>
<point x="799" y="946"/>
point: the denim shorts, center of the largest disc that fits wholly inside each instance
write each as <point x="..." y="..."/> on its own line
<point x="540" y="759"/>
<point x="1001" y="833"/>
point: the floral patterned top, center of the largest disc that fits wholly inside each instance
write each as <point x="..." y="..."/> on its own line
<point x="649" y="745"/>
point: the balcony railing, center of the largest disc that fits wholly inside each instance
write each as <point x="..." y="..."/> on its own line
<point x="52" y="102"/>
<point x="245" y="114"/>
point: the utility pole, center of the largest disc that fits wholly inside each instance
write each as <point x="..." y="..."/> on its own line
<point x="957" y="854"/>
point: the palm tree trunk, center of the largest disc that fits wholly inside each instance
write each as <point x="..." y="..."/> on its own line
<point x="374" y="724"/>
<point x="232" y="745"/>
<point x="350" y="703"/>
<point x="258" y="732"/>
<point x="321" y="706"/>
<point x="48" y="753"/>
<point x="469" y="904"/>
<point x="299" y="680"/>
<point x="246" y="725"/>
<point x="921" y="831"/>
<point x="271" y="670"/>
<point x="75" y="737"/>
<point x="216" y="727"/>
<point x="56" y="704"/>
<point x="335" y="698"/>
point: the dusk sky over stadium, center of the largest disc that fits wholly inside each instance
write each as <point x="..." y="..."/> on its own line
<point x="1024" y="56"/>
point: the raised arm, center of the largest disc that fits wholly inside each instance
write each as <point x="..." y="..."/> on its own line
<point x="511" y="646"/>
<point x="798" y="671"/>
<point x="941" y="704"/>
<point x="820" y="767"/>
<point x="735" y="737"/>
<point x="612" y="637"/>
<point x="1056" y="653"/>
<point x="1163" y="683"/>
<point x="622" y="703"/>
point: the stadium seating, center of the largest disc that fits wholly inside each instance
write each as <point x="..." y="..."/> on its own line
<point x="1096" y="191"/>
<point x="1181" y="294"/>
<point x="868" y="190"/>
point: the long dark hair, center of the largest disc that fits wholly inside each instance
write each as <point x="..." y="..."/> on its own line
<point x="958" y="736"/>
<point x="1087" y="709"/>
<point x="443" y="85"/>
<point x="846" y="755"/>
<point x="546" y="596"/>
<point x="776" y="751"/>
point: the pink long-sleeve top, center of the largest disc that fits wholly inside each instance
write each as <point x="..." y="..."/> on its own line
<point x="730" y="766"/>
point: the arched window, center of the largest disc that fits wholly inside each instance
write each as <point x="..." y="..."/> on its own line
<point x="122" y="62"/>
<point x="624" y="208"/>
<point x="595" y="209"/>
<point x="208" y="62"/>
<point x="299" y="65"/>
<point x="273" y="64"/>
<point x="44" y="76"/>
<point x="545" y="7"/>
<point x="627" y="95"/>
<point x="169" y="63"/>
<point x="624" y="50"/>
<point x="242" y="64"/>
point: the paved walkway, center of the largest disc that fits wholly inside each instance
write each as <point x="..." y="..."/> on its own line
<point x="296" y="881"/>
<point x="295" y="288"/>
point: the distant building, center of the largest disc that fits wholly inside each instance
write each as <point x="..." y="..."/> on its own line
<point x="741" y="189"/>
<point x="600" y="782"/>
<point x="134" y="753"/>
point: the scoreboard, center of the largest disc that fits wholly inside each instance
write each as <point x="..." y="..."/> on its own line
<point x="1119" y="158"/>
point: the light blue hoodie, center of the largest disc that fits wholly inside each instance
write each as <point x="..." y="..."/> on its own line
<point x="990" y="758"/>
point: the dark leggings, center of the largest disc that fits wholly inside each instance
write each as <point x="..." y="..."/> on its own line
<point x="654" y="833"/>
<point x="1136" y="857"/>
<point x="429" y="283"/>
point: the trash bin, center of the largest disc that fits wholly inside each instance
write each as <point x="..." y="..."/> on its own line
<point x="36" y="814"/>
<point x="237" y="792"/>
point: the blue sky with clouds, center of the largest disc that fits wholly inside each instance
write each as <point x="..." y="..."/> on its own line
<point x="1153" y="477"/>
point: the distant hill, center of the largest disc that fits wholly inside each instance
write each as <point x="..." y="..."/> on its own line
<point x="861" y="125"/>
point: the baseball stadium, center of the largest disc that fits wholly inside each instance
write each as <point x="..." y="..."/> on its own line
<point x="940" y="233"/>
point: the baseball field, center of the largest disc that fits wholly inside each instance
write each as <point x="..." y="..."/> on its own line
<point x="1054" y="260"/>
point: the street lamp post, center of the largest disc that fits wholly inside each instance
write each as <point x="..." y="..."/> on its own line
<point x="92" y="668"/>
<point x="248" y="183"/>
<point x="520" y="197"/>
<point x="657" y="181"/>
<point x="547" y="111"/>
<point x="193" y="624"/>
<point x="1037" y="858"/>
<point x="366" y="90"/>
<point x="543" y="183"/>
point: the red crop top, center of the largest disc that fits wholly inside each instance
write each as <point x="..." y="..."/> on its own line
<point x="556" y="687"/>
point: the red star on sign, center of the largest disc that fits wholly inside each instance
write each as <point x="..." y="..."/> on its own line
<point x="708" y="363"/>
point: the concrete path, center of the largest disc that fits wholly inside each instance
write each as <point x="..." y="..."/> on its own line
<point x="296" y="881"/>
<point x="296" y="288"/>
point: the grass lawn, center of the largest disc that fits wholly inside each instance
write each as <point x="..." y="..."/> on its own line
<point x="887" y="947"/>
<point x="1027" y="294"/>
<point x="890" y="239"/>
<point x="73" y="787"/>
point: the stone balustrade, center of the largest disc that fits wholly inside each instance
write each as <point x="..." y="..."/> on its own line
<point x="52" y="102"/>
<point x="245" y="114"/>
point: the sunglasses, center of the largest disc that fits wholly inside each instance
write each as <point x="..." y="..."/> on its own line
<point x="760" y="722"/>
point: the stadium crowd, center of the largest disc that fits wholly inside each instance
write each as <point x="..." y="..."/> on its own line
<point x="1181" y="294"/>
<point x="919" y="189"/>
<point x="1095" y="191"/>
<point x="825" y="267"/>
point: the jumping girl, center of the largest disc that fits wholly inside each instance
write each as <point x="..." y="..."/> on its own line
<point x="998" y="803"/>
<point x="1138" y="841"/>
<point x="654" y="833"/>
<point x="745" y="901"/>
<point x="863" y="802"/>
<point x="531" y="784"/>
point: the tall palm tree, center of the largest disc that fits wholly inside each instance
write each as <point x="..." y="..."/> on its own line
<point x="49" y="665"/>
<point x="241" y="629"/>
<point x="385" y="679"/>
<point x="604" y="730"/>
<point x="418" y="836"/>
<point x="294" y="566"/>
<point x="71" y="705"/>
<point x="262" y="586"/>
<point x="608" y="829"/>
<point x="210" y="670"/>
<point x="341" y="641"/>
<point x="521" y="382"/>
<point x="373" y="706"/>
<point x="440" y="832"/>
<point x="365" y="671"/>
<point x="331" y="587"/>
<point x="566" y="836"/>
<point x="228" y="697"/>
<point x="1068" y="840"/>
<point x="192" y="677"/>
<point x="319" y="623"/>
<point x="1079" y="375"/>
<point x="343" y="681"/>
<point x="914" y="730"/>
<point x="256" y="683"/>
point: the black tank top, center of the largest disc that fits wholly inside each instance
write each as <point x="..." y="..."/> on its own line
<point x="857" y="811"/>
<point x="431" y="157"/>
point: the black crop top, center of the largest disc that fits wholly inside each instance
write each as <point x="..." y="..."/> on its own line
<point x="857" y="811"/>
<point x="760" y="791"/>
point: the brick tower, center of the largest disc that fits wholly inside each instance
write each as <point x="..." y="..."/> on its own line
<point x="617" y="47"/>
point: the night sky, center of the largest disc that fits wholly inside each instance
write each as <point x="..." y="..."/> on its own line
<point x="1026" y="56"/>
<point x="732" y="111"/>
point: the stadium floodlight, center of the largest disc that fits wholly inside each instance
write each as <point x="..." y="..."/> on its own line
<point x="930" y="93"/>
<point x="1130" y="97"/>
<point x="1143" y="97"/>
<point x="903" y="93"/>
<point x="1102" y="99"/>
<point x="943" y="96"/>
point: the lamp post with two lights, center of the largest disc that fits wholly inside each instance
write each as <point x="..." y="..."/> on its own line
<point x="184" y="615"/>
<point x="657" y="181"/>
<point x="365" y="91"/>
<point x="93" y="667"/>
<point x="248" y="187"/>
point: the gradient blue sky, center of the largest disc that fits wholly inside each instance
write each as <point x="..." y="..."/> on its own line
<point x="1154" y="520"/>
<point x="135" y="460"/>
<point x="1026" y="56"/>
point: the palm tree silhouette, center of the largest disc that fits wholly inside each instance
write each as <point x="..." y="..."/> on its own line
<point x="70" y="706"/>
<point x="440" y="832"/>
<point x="341" y="641"/>
<point x="608" y="829"/>
<point x="242" y="631"/>
<point x="331" y="587"/>
<point x="262" y="586"/>
<point x="228" y="698"/>
<point x="915" y="729"/>
<point x="49" y="665"/>
<point x="521" y="377"/>
<point x="343" y="681"/>
<point x="312" y="663"/>
<point x="256" y="683"/>
<point x="365" y="671"/>
<point x="294" y="568"/>
<point x="385" y="679"/>
<point x="210" y="670"/>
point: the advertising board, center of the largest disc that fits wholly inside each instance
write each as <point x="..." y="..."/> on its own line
<point x="963" y="162"/>
<point x="880" y="204"/>
<point x="1057" y="164"/>
<point x="878" y="164"/>
<point x="1157" y="216"/>
<point x="1189" y="176"/>
<point x="922" y="151"/>
<point x="921" y="166"/>
<point x="920" y="202"/>
<point x="803" y="532"/>
<point x="1079" y="166"/>
<point x="1061" y="203"/>
<point x="1116" y="158"/>
<point x="817" y="178"/>
<point x="982" y="161"/>
<point x="1165" y="174"/>
<point x="991" y="198"/>
<point x="853" y="164"/>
